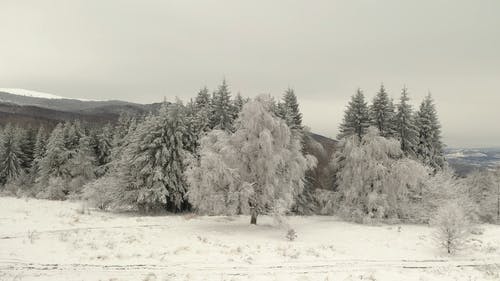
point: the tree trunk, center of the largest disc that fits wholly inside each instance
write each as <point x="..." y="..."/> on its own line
<point x="253" y="218"/>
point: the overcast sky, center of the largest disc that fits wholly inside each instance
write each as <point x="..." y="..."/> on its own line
<point x="141" y="51"/>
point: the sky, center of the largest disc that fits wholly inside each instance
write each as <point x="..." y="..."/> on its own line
<point x="143" y="51"/>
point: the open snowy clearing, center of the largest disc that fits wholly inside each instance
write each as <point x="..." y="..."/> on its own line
<point x="52" y="240"/>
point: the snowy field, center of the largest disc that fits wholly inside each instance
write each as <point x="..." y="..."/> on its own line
<point x="52" y="240"/>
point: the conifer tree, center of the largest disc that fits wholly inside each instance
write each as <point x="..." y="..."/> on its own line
<point x="238" y="103"/>
<point x="404" y="125"/>
<point x="154" y="170"/>
<point x="356" y="117"/>
<point x="11" y="156"/>
<point x="26" y="139"/>
<point x="56" y="159"/>
<point x="82" y="166"/>
<point x="382" y="113"/>
<point x="223" y="112"/>
<point x="290" y="110"/>
<point x="430" y="146"/>
<point x="104" y="145"/>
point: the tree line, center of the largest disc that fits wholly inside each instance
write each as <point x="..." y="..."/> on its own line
<point x="219" y="154"/>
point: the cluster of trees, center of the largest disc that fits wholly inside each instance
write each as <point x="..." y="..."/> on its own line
<point x="390" y="165"/>
<point x="222" y="155"/>
<point x="155" y="162"/>
<point x="418" y="132"/>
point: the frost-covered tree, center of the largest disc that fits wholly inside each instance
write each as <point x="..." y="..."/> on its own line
<point x="103" y="149"/>
<point x="382" y="113"/>
<point x="82" y="166"/>
<point x="356" y="117"/>
<point x="223" y="111"/>
<point x="238" y="103"/>
<point x="289" y="110"/>
<point x="26" y="139"/>
<point x="483" y="187"/>
<point x="404" y="125"/>
<point x="429" y="147"/>
<point x="11" y="156"/>
<point x="202" y="111"/>
<point x="452" y="227"/>
<point x="255" y="170"/>
<point x="56" y="159"/>
<point x="374" y="180"/>
<point x="38" y="153"/>
<point x="40" y="143"/>
<point x="153" y="162"/>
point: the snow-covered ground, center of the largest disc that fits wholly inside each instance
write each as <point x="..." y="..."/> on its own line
<point x="52" y="240"/>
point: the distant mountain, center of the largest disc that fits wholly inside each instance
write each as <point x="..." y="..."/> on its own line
<point x="33" y="108"/>
<point x="465" y="160"/>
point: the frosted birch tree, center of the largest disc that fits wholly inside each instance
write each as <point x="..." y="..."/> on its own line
<point x="257" y="169"/>
<point x="374" y="180"/>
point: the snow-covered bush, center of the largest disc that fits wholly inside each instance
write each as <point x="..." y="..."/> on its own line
<point x="291" y="234"/>
<point x="250" y="171"/>
<point x="101" y="193"/>
<point x="326" y="201"/>
<point x="452" y="227"/>
<point x="484" y="190"/>
<point x="441" y="189"/>
<point x="374" y="179"/>
<point x="56" y="189"/>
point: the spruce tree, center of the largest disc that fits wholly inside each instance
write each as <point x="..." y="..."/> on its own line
<point x="430" y="146"/>
<point x="26" y="139"/>
<point x="82" y="166"/>
<point x="356" y="117"/>
<point x="404" y="125"/>
<point x="56" y="159"/>
<point x="104" y="146"/>
<point x="238" y="103"/>
<point x="38" y="152"/>
<point x="382" y="113"/>
<point x="290" y="110"/>
<point x="155" y="162"/>
<point x="202" y="110"/>
<point x="223" y="112"/>
<point x="11" y="156"/>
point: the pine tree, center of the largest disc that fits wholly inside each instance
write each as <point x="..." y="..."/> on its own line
<point x="201" y="111"/>
<point x="26" y="139"/>
<point x="223" y="112"/>
<point x="258" y="169"/>
<point x="238" y="103"/>
<point x="38" y="152"/>
<point x="382" y="113"/>
<point x="404" y="125"/>
<point x="82" y="166"/>
<point x="11" y="156"/>
<point x="56" y="159"/>
<point x="290" y="110"/>
<point x="155" y="162"/>
<point x="356" y="117"/>
<point x="429" y="147"/>
<point x="104" y="146"/>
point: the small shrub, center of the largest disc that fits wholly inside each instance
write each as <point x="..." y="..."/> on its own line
<point x="291" y="234"/>
<point x="452" y="227"/>
<point x="99" y="193"/>
<point x="56" y="190"/>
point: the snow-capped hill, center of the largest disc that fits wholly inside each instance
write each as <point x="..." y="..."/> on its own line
<point x="36" y="94"/>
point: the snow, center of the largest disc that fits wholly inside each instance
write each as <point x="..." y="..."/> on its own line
<point x="36" y="94"/>
<point x="61" y="240"/>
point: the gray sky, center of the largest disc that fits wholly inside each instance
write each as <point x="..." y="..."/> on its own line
<point x="141" y="51"/>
